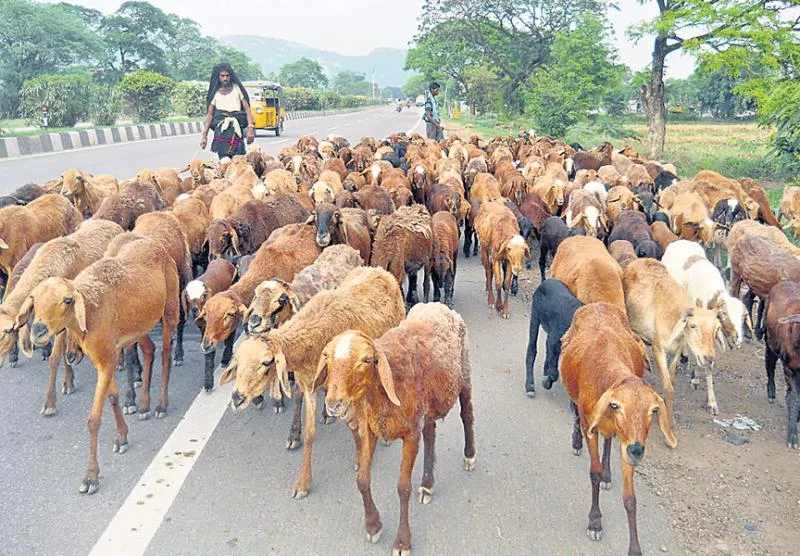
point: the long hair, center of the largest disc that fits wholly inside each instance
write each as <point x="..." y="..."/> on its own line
<point x="213" y="85"/>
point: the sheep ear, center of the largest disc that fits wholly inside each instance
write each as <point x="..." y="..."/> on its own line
<point x="235" y="242"/>
<point x="686" y="313"/>
<point x="294" y="301"/>
<point x="599" y="410"/>
<point x="245" y="312"/>
<point x="229" y="373"/>
<point x="23" y="327"/>
<point x="321" y="374"/>
<point x="312" y="218"/>
<point x="3" y="244"/>
<point x="202" y="314"/>
<point x="281" y="380"/>
<point x="665" y="423"/>
<point x="184" y="168"/>
<point x="385" y="374"/>
<point x="80" y="311"/>
<point x="749" y="323"/>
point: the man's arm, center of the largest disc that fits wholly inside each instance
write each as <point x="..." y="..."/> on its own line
<point x="207" y="126"/>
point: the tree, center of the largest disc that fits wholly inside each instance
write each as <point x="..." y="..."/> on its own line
<point x="303" y="73"/>
<point x="135" y="37"/>
<point x="392" y="92"/>
<point x="415" y="85"/>
<point x="351" y="83"/>
<point x="147" y="94"/>
<point x="710" y="28"/>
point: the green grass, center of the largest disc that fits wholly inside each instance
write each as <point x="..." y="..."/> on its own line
<point x="11" y="132"/>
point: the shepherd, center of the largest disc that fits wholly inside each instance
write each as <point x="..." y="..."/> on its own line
<point x="228" y="112"/>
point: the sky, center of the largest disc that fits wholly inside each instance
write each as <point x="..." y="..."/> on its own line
<point x="355" y="27"/>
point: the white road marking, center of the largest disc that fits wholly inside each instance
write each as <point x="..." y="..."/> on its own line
<point x="135" y="524"/>
<point x="347" y="124"/>
<point x="414" y="128"/>
<point x="332" y="128"/>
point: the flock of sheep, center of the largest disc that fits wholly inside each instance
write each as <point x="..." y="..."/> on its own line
<point x="309" y="253"/>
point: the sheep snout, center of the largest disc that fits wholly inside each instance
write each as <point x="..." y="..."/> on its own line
<point x="634" y="453"/>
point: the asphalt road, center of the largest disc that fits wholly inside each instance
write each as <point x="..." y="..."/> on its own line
<point x="527" y="495"/>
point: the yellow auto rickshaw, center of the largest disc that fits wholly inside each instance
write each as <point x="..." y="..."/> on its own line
<point x="267" y="105"/>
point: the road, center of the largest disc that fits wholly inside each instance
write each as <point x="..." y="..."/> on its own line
<point x="528" y="494"/>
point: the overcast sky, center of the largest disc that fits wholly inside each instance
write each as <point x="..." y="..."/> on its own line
<point x="355" y="27"/>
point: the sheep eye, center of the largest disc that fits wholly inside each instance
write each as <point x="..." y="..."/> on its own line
<point x="67" y="301"/>
<point x="267" y="362"/>
<point x="614" y="406"/>
<point x="230" y="315"/>
<point x="8" y="330"/>
<point x="655" y="410"/>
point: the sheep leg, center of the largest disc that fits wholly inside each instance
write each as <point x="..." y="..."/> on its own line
<point x="475" y="243"/>
<point x="760" y="323"/>
<point x="90" y="482"/>
<point x="507" y="287"/>
<point x="629" y="501"/>
<point x="530" y="358"/>
<point x="133" y="361"/>
<point x="666" y="378"/>
<point x="130" y="393"/>
<point x="487" y="267"/>
<point x="437" y="287"/>
<point x="179" y="335"/>
<point x="366" y="449"/>
<point x="227" y="352"/>
<point x="553" y="344"/>
<point x="166" y="359"/>
<point x="542" y="259"/>
<point x="792" y="407"/>
<point x="303" y="482"/>
<point x="497" y="276"/>
<point x="577" y="434"/>
<point x="770" y="359"/>
<point x="13" y="356"/>
<point x="411" y="297"/>
<point x="467" y="238"/>
<point x="208" y="375"/>
<point x="429" y="452"/>
<point x="712" y="399"/>
<point x="296" y="428"/>
<point x="49" y="408"/>
<point x="47" y="350"/>
<point x="426" y="282"/>
<point x="595" y="528"/>
<point x="402" y="542"/>
<point x="68" y="386"/>
<point x="148" y="349"/>
<point x="449" y="283"/>
<point x="121" y="441"/>
<point x="467" y="419"/>
<point x="605" y="479"/>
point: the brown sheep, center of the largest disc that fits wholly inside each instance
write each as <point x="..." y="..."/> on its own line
<point x="374" y="197"/>
<point x="663" y="315"/>
<point x="193" y="217"/>
<point x="275" y="301"/>
<point x="756" y="192"/>
<point x="413" y="376"/>
<point x="110" y="304"/>
<point x="501" y="246"/>
<point x="403" y="245"/>
<point x="218" y="277"/>
<point x="205" y="193"/>
<point x="444" y="256"/>
<point x="690" y="219"/>
<point x="751" y="227"/>
<point x="620" y="198"/>
<point x="602" y="364"/>
<point x="485" y="187"/>
<point x="588" y="270"/>
<point x="201" y="172"/>
<point x="536" y="210"/>
<point x="585" y="211"/>
<point x="225" y="203"/>
<point x="662" y="234"/>
<point x="368" y="299"/>
<point x="162" y="179"/>
<point x="44" y="218"/>
<point x="789" y="209"/>
<point x="60" y="257"/>
<point x="353" y="182"/>
<point x="86" y="190"/>
<point x="130" y="202"/>
<point x="420" y="177"/>
<point x="292" y="250"/>
<point x="335" y="165"/>
<point x="591" y="160"/>
<point x="337" y="226"/>
<point x="623" y="252"/>
<point x="475" y="166"/>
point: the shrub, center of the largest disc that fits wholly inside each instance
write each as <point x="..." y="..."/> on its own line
<point x="189" y="98"/>
<point x="147" y="94"/>
<point x="301" y="98"/>
<point x="67" y="98"/>
<point x="106" y="105"/>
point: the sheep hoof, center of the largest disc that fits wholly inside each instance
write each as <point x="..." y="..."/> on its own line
<point x="12" y="364"/>
<point x="208" y="388"/>
<point x="48" y="411"/>
<point x="425" y="495"/>
<point x="713" y="409"/>
<point x="401" y="552"/>
<point x="137" y="383"/>
<point x="292" y="443"/>
<point x="771" y="399"/>
<point x="576" y="451"/>
<point x="374" y="537"/>
<point x="161" y="412"/>
<point x="299" y="494"/>
<point x="695" y="382"/>
<point x="469" y="463"/>
<point x="386" y="442"/>
<point x="505" y="316"/>
<point x="129" y="409"/>
<point x="89" y="486"/>
<point x="258" y="402"/>
<point x="120" y="446"/>
<point x="547" y="383"/>
<point x="327" y="419"/>
<point x="144" y="414"/>
<point x="594" y="535"/>
<point x="531" y="392"/>
<point x="178" y="362"/>
<point x="605" y="485"/>
<point x="67" y="390"/>
<point x="278" y="409"/>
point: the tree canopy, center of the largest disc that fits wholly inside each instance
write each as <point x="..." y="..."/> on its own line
<point x="351" y="83"/>
<point x="303" y="73"/>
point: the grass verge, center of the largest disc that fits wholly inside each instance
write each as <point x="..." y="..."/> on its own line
<point x="10" y="131"/>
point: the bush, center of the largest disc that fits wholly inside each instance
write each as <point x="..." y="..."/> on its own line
<point x="189" y="98"/>
<point x="67" y="98"/>
<point x="106" y="105"/>
<point x="147" y="94"/>
<point x="301" y="98"/>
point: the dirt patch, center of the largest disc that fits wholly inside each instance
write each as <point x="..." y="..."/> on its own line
<point x="723" y="499"/>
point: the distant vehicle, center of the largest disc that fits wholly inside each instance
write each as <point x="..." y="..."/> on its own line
<point x="420" y="100"/>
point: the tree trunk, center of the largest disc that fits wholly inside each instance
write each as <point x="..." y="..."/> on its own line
<point x="653" y="101"/>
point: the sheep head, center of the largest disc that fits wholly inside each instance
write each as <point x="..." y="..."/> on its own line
<point x="627" y="407"/>
<point x="54" y="304"/>
<point x="326" y="219"/>
<point x="196" y="296"/>
<point x="72" y="181"/>
<point x="257" y="364"/>
<point x="701" y="331"/>
<point x="8" y="332"/>
<point x="321" y="192"/>
<point x="516" y="251"/>
<point x="222" y="313"/>
<point x="274" y="303"/>
<point x="222" y="237"/>
<point x="353" y="370"/>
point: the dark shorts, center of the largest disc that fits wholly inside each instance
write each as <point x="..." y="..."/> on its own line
<point x="434" y="132"/>
<point x="227" y="143"/>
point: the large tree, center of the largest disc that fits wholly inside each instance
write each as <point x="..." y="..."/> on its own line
<point x="136" y="36"/>
<point x="351" y="83"/>
<point x="303" y="73"/>
<point x="709" y="27"/>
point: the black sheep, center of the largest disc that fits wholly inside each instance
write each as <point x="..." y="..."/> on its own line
<point x="552" y="309"/>
<point x="728" y="212"/>
<point x="662" y="217"/>
<point x="663" y="180"/>
<point x="554" y="231"/>
<point x="22" y="195"/>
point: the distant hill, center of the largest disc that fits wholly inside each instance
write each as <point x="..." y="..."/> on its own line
<point x="271" y="54"/>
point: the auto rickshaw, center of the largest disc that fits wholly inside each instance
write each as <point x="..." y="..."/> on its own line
<point x="267" y="105"/>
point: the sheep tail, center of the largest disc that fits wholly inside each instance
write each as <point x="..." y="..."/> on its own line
<point x="466" y="364"/>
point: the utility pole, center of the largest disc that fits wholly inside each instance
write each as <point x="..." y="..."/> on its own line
<point x="373" y="83"/>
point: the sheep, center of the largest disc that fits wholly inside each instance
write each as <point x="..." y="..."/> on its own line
<point x="586" y="211"/>
<point x="790" y="209"/>
<point x="111" y="303"/>
<point x="663" y="315"/>
<point x="755" y="192"/>
<point x="44" y="218"/>
<point x="474" y="167"/>
<point x="632" y="225"/>
<point x="252" y="223"/>
<point x="485" y="188"/>
<point x="369" y="299"/>
<point x="218" y="277"/>
<point x="162" y="179"/>
<point x="598" y="190"/>
<point x="608" y="176"/>
<point x="403" y="245"/>
<point x="591" y="160"/>
<point x="378" y="388"/>
<point x="623" y="252"/>
<point x="620" y="198"/>
<point x="588" y="270"/>
<point x="354" y="182"/>
<point x="347" y="225"/>
<point x="662" y="234"/>
<point x="551" y="234"/>
<point x="87" y="191"/>
<point x="689" y="218"/>
<point x="201" y="171"/>
<point x="225" y="203"/>
<point x="503" y="251"/>
<point x="60" y="257"/>
<point x="194" y="219"/>
<point x="751" y="227"/>
<point x="19" y="269"/>
<point x="130" y="202"/>
<point x="782" y="339"/>
<point x="275" y="301"/>
<point x="293" y="250"/>
<point x="22" y="195"/>
<point x="551" y="190"/>
<point x="602" y="365"/>
<point x="444" y="256"/>
<point x="535" y="209"/>
<point x="280" y="181"/>
<point x="552" y="308"/>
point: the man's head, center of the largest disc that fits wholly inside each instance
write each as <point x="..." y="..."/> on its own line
<point x="434" y="87"/>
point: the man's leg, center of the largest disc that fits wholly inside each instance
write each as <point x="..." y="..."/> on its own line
<point x="430" y="131"/>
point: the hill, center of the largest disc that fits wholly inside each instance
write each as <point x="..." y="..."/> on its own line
<point x="271" y="54"/>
